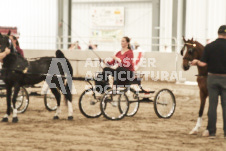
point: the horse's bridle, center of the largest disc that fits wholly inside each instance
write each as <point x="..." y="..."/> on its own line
<point x="193" y="46"/>
<point x="11" y="47"/>
<point x="2" y="48"/>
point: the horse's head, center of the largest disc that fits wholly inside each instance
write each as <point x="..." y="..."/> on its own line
<point x="5" y="42"/>
<point x="191" y="52"/>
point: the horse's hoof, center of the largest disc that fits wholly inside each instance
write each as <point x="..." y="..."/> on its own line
<point x="5" y="119"/>
<point x="193" y="132"/>
<point x="56" y="118"/>
<point x="70" y="118"/>
<point x="15" y="120"/>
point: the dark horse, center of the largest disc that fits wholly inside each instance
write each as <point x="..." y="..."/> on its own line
<point x="17" y="72"/>
<point x="194" y="50"/>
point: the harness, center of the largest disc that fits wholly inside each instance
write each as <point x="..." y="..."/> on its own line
<point x="193" y="45"/>
<point x="201" y="75"/>
<point x="16" y="63"/>
<point x="189" y="59"/>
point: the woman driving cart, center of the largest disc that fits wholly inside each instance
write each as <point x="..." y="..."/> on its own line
<point x="123" y="74"/>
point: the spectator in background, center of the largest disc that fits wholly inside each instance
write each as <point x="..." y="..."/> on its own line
<point x="92" y="46"/>
<point x="75" y="46"/>
<point x="208" y="41"/>
<point x="16" y="45"/>
<point x="138" y="55"/>
<point x="95" y="47"/>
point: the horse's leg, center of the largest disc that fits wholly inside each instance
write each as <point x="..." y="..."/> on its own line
<point x="8" y="95"/>
<point x="203" y="96"/>
<point x="16" y="91"/>
<point x="68" y="97"/>
<point x="57" y="95"/>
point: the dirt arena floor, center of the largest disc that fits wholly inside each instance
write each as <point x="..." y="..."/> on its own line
<point x="145" y="131"/>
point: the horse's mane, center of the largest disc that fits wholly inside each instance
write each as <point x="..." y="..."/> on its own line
<point x="198" y="43"/>
<point x="200" y="48"/>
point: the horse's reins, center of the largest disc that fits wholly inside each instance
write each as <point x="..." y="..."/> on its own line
<point x="46" y="75"/>
<point x="81" y="39"/>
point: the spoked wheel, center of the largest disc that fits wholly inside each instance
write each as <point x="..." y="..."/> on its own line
<point x="50" y="102"/>
<point x="133" y="103"/>
<point x="89" y="103"/>
<point x="164" y="103"/>
<point x="114" y="104"/>
<point x="22" y="100"/>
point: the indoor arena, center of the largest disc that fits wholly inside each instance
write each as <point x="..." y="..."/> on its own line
<point x="99" y="75"/>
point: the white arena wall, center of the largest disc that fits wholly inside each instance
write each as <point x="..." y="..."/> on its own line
<point x="137" y="23"/>
<point x="203" y="18"/>
<point x="36" y="21"/>
<point x="164" y="63"/>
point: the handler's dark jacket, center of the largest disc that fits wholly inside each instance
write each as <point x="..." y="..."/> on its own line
<point x="215" y="56"/>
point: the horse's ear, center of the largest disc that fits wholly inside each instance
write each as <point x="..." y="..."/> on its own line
<point x="182" y="51"/>
<point x="9" y="33"/>
<point x="192" y="39"/>
<point x="184" y="39"/>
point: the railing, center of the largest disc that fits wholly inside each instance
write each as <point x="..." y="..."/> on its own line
<point x="112" y="44"/>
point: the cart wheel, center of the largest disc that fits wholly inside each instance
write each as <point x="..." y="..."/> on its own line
<point x="133" y="103"/>
<point x="114" y="104"/>
<point x="50" y="102"/>
<point x="22" y="100"/>
<point x="164" y="103"/>
<point x="89" y="103"/>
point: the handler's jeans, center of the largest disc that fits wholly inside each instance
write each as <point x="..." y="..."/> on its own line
<point x="216" y="86"/>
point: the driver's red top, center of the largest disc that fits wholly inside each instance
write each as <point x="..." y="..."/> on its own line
<point x="126" y="60"/>
<point x="20" y="51"/>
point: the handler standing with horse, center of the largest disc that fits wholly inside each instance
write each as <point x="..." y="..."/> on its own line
<point x="4" y="54"/>
<point x="214" y="58"/>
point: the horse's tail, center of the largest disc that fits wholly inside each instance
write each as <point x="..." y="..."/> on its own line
<point x="59" y="54"/>
<point x="68" y="85"/>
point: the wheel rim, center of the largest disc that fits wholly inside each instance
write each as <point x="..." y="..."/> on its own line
<point x="133" y="103"/>
<point x="165" y="103"/>
<point x="51" y="101"/>
<point x="115" y="105"/>
<point x="90" y="103"/>
<point x="22" y="100"/>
